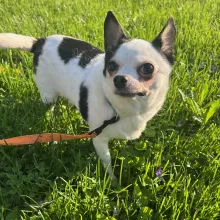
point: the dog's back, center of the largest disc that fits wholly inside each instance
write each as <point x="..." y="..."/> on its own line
<point x="58" y="60"/>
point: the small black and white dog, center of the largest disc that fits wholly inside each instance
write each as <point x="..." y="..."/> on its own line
<point x="131" y="78"/>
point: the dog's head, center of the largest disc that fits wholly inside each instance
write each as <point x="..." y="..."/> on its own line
<point x="135" y="69"/>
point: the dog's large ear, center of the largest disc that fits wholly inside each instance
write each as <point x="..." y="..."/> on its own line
<point x="165" y="41"/>
<point x="113" y="32"/>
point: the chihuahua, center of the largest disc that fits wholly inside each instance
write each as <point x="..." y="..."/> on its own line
<point x="131" y="78"/>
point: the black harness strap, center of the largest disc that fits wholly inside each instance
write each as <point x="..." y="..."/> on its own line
<point x="98" y="130"/>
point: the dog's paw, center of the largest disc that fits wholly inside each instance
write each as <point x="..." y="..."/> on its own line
<point x="114" y="180"/>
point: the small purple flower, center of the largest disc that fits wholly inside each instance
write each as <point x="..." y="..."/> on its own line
<point x="158" y="172"/>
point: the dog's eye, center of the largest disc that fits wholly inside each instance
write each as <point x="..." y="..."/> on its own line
<point x="112" y="67"/>
<point x="146" y="70"/>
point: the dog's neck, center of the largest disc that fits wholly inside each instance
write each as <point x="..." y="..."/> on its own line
<point x="110" y="104"/>
<point x="124" y="106"/>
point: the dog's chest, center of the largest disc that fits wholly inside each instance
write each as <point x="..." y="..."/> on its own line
<point x="126" y="128"/>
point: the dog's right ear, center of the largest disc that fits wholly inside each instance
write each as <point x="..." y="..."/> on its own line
<point x="113" y="32"/>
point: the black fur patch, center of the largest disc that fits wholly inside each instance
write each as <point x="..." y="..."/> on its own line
<point x="83" y="101"/>
<point x="87" y="56"/>
<point x="114" y="37"/>
<point x="110" y="53"/>
<point x="37" y="50"/>
<point x="157" y="43"/>
<point x="70" y="48"/>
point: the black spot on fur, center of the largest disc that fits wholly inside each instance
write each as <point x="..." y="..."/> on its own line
<point x="37" y="50"/>
<point x="83" y="101"/>
<point x="70" y="48"/>
<point x="87" y="56"/>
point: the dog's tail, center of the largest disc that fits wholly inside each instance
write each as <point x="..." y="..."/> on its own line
<point x="16" y="41"/>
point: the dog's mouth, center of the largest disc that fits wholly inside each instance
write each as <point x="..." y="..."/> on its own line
<point x="131" y="94"/>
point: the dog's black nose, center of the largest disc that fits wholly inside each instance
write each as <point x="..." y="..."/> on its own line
<point x="120" y="82"/>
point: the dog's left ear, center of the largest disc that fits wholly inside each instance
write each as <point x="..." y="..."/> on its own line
<point x="113" y="32"/>
<point x="165" y="41"/>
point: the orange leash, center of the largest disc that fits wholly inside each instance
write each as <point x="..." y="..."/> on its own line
<point x="43" y="138"/>
<point x="50" y="137"/>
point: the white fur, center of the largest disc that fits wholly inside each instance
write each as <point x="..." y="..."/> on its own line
<point x="55" y="78"/>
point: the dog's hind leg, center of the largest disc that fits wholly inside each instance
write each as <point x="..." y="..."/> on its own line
<point x="48" y="98"/>
<point x="47" y="93"/>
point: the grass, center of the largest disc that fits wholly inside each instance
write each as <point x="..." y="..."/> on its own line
<point x="67" y="180"/>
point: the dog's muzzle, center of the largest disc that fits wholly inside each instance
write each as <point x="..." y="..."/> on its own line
<point x="127" y="87"/>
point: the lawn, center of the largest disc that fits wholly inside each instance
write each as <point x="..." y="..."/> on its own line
<point x="67" y="180"/>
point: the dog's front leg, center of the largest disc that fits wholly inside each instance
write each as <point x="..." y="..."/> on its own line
<point x="101" y="146"/>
